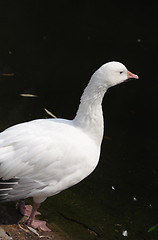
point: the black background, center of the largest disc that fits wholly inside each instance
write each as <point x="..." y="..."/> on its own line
<point x="53" y="47"/>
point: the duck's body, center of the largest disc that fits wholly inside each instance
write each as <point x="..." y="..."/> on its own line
<point x="43" y="157"/>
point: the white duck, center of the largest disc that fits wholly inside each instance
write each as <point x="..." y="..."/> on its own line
<point x="43" y="157"/>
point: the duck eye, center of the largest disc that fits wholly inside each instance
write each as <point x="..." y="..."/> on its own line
<point x="121" y="72"/>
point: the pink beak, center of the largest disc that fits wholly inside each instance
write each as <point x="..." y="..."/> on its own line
<point x="131" y="75"/>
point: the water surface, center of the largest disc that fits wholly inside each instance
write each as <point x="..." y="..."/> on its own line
<point x="53" y="48"/>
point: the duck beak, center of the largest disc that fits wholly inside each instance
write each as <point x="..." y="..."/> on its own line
<point x="131" y="75"/>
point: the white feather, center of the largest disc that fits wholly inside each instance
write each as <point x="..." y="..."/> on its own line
<point x="49" y="155"/>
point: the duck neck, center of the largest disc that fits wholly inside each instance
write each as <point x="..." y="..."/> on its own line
<point x="89" y="116"/>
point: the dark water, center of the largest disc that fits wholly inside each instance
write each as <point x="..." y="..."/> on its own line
<point x="53" y="47"/>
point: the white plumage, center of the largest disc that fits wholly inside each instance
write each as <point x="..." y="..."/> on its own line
<point x="41" y="158"/>
<point x="45" y="155"/>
